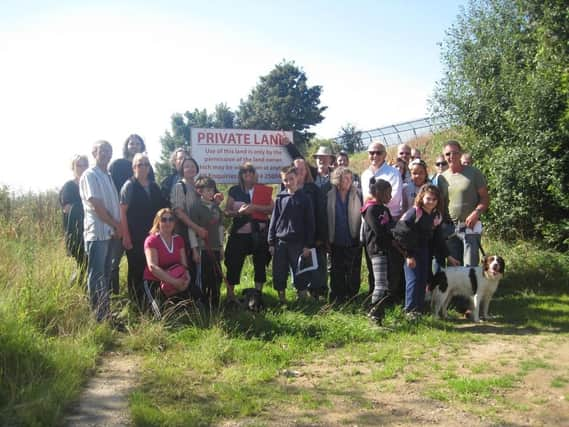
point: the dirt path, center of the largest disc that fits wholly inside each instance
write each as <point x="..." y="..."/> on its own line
<point x="104" y="402"/>
<point x="352" y="394"/>
<point x="539" y="365"/>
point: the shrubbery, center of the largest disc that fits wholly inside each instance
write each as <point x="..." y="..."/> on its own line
<point x="507" y="80"/>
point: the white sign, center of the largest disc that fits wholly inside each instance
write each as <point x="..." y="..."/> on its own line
<point x="220" y="152"/>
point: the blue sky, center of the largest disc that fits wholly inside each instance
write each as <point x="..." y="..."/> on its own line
<point x="75" y="72"/>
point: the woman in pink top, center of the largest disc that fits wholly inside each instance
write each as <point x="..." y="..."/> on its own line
<point x="163" y="249"/>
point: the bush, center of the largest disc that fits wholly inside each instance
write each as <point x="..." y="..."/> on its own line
<point x="507" y="80"/>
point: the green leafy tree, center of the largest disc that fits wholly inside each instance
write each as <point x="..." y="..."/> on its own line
<point x="283" y="100"/>
<point x="350" y="139"/>
<point x="223" y="117"/>
<point x="507" y="81"/>
<point x="182" y="124"/>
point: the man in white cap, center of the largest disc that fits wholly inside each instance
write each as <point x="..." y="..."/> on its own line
<point x="379" y="169"/>
<point x="324" y="159"/>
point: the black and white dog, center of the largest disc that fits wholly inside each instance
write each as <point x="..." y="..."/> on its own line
<point x="478" y="284"/>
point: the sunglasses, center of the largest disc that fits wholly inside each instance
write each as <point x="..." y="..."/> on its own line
<point x="248" y="171"/>
<point x="441" y="163"/>
<point x="450" y="153"/>
<point x="167" y="219"/>
<point x="377" y="153"/>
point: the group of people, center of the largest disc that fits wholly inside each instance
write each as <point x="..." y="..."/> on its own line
<point x="174" y="237"/>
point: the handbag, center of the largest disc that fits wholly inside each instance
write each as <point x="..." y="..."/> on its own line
<point x="175" y="271"/>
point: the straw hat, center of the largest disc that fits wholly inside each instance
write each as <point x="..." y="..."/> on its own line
<point x="323" y="152"/>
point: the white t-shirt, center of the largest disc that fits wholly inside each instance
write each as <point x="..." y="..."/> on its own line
<point x="391" y="175"/>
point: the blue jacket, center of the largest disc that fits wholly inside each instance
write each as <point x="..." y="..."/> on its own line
<point x="292" y="219"/>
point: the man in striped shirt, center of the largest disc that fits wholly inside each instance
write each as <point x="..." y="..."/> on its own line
<point x="102" y="233"/>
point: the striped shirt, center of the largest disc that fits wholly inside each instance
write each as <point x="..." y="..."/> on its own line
<point x="98" y="184"/>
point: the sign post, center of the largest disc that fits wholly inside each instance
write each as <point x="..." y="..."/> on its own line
<point x="220" y="152"/>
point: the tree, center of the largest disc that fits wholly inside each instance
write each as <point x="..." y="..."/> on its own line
<point x="350" y="138"/>
<point x="283" y="100"/>
<point x="181" y="126"/>
<point x="507" y="80"/>
<point x="223" y="117"/>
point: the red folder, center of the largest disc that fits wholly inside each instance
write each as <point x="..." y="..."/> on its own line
<point x="262" y="195"/>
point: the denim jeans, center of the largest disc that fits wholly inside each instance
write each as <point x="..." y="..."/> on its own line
<point x="416" y="281"/>
<point x="285" y="259"/>
<point x="467" y="251"/>
<point x="100" y="254"/>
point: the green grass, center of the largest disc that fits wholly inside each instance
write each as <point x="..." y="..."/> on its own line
<point x="559" y="382"/>
<point x="469" y="389"/>
<point x="48" y="342"/>
<point x="305" y="358"/>
<point x="235" y="364"/>
<point x="532" y="364"/>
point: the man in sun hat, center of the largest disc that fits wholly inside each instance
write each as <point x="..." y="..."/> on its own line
<point x="324" y="159"/>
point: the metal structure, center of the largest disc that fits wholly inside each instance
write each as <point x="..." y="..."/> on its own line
<point x="401" y="132"/>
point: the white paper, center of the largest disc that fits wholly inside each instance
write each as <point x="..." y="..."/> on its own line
<point x="311" y="263"/>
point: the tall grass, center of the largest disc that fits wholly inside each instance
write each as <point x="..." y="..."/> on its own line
<point x="48" y="340"/>
<point x="200" y="369"/>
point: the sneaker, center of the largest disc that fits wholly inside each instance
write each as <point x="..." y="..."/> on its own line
<point x="377" y="297"/>
<point x="412" y="316"/>
<point x="377" y="314"/>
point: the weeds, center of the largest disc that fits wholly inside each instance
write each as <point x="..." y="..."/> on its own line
<point x="205" y="369"/>
<point x="48" y="341"/>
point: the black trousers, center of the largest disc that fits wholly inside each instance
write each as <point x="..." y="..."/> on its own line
<point x="239" y="246"/>
<point x="136" y="264"/>
<point x="211" y="277"/>
<point x="345" y="272"/>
